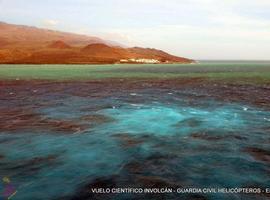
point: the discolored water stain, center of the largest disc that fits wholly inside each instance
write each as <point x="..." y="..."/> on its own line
<point x="96" y="107"/>
<point x="33" y="165"/>
<point x="65" y="126"/>
<point x="85" y="192"/>
<point x="128" y="141"/>
<point x="20" y="111"/>
<point x="151" y="170"/>
<point x="126" y="181"/>
<point x="97" y="119"/>
<point x="258" y="153"/>
<point x="191" y="122"/>
<point x="6" y="140"/>
<point x="134" y="174"/>
<point x="123" y="181"/>
<point x="134" y="167"/>
<point x="205" y="136"/>
<point x="258" y="95"/>
<point x="156" y="165"/>
<point x="160" y="157"/>
<point x="14" y="120"/>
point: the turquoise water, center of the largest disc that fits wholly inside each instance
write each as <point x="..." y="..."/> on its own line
<point x="172" y="136"/>
<point x="163" y="120"/>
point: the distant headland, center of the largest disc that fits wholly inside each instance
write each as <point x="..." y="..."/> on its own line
<point x="30" y="45"/>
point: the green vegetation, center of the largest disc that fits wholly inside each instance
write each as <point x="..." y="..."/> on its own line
<point x="241" y="72"/>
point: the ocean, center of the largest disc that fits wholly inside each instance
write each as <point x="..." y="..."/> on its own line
<point x="178" y="127"/>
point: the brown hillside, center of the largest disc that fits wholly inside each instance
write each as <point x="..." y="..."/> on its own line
<point x="24" y="44"/>
<point x="157" y="54"/>
<point x="102" y="50"/>
<point x="59" y="45"/>
<point x="27" y="35"/>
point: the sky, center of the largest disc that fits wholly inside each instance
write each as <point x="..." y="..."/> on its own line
<point x="198" y="29"/>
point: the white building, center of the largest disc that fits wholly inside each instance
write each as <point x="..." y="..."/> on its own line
<point x="141" y="60"/>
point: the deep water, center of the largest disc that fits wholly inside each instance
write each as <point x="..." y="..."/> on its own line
<point x="57" y="143"/>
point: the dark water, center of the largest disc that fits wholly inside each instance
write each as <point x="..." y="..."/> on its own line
<point x="58" y="140"/>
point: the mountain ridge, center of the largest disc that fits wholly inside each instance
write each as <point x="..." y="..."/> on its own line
<point x="21" y="44"/>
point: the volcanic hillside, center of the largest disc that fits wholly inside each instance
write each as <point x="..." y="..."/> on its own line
<point x="31" y="45"/>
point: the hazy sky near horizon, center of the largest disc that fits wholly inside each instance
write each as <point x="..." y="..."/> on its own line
<point x="199" y="29"/>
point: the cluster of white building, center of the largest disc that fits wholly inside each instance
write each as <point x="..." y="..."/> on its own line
<point x="140" y="60"/>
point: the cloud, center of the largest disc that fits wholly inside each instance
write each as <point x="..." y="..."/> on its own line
<point x="50" y="23"/>
<point x="204" y="42"/>
<point x="192" y="28"/>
